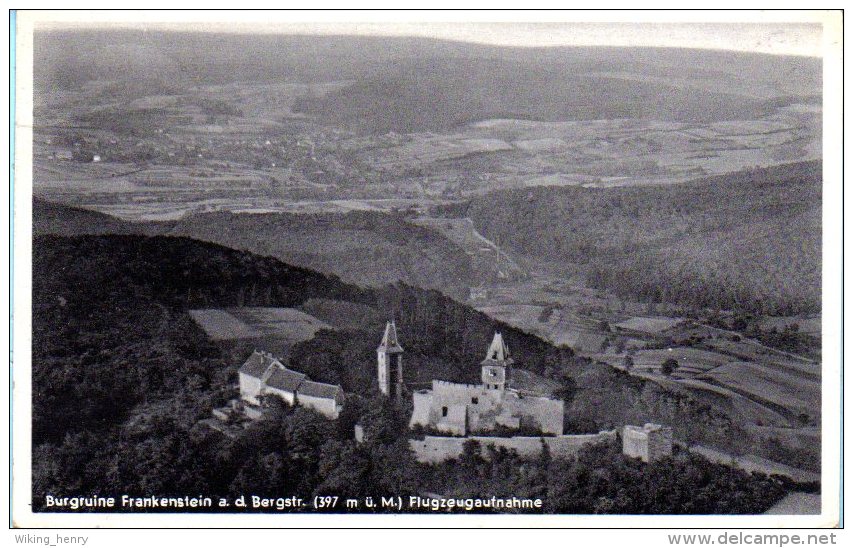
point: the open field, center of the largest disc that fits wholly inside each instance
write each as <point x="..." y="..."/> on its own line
<point x="691" y="361"/>
<point x="288" y="324"/>
<point x="222" y="326"/>
<point x="649" y="325"/>
<point x="753" y="351"/>
<point x="773" y="390"/>
<point x="809" y="325"/>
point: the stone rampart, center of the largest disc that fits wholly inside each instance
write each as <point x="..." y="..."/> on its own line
<point x="436" y="449"/>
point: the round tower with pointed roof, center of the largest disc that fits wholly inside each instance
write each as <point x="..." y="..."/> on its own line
<point x="390" y="363"/>
<point x="495" y="368"/>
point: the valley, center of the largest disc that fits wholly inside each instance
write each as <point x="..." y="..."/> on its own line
<point x="644" y="227"/>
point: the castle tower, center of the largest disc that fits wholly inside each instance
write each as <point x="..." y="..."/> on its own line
<point x="495" y="366"/>
<point x="648" y="443"/>
<point x="390" y="363"/>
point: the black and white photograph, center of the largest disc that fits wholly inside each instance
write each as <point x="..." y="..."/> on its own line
<point x="284" y="271"/>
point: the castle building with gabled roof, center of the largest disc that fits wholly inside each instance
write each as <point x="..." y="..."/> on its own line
<point x="263" y="374"/>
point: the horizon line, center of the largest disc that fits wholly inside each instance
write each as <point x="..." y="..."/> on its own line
<point x="798" y="39"/>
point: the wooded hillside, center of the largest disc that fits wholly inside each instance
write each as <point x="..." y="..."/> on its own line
<point x="746" y="241"/>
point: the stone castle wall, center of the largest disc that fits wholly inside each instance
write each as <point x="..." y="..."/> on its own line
<point x="635" y="444"/>
<point x="455" y="389"/>
<point x="436" y="449"/>
<point x="538" y="412"/>
<point x="325" y="406"/>
<point x="484" y="409"/>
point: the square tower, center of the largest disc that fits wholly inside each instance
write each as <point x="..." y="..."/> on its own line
<point x="494" y="369"/>
<point x="649" y="442"/>
<point x="390" y="364"/>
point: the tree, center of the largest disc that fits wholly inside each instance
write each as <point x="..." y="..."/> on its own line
<point x="471" y="456"/>
<point x="567" y="391"/>
<point x="344" y="470"/>
<point x="669" y="366"/>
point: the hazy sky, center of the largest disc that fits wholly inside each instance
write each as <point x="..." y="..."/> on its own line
<point x="797" y="39"/>
<point x="793" y="38"/>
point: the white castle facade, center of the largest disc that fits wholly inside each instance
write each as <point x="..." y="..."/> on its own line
<point x="460" y="412"/>
<point x="463" y="409"/>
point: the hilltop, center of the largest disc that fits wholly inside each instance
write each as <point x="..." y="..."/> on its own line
<point x="368" y="248"/>
<point x="116" y="309"/>
<point x="121" y="375"/>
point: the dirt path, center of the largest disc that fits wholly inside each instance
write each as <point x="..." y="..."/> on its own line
<point x="501" y="254"/>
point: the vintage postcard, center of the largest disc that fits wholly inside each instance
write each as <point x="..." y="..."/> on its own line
<point x="382" y="269"/>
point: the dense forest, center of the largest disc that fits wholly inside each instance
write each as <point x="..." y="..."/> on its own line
<point x="748" y="241"/>
<point x="121" y="377"/>
<point x="368" y="248"/>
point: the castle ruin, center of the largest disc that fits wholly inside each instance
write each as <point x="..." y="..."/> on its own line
<point x="265" y="375"/>
<point x="463" y="409"/>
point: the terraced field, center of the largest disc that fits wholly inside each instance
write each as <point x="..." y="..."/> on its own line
<point x="764" y="388"/>
<point x="763" y="382"/>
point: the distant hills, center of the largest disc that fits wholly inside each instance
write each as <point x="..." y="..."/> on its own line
<point x="438" y="94"/>
<point x="122" y="375"/>
<point x="367" y="248"/>
<point x="747" y="241"/>
<point x="418" y="84"/>
<point x="65" y="220"/>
